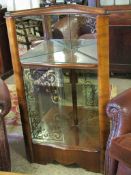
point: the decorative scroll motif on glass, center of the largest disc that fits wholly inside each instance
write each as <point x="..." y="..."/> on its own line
<point x="39" y="131"/>
<point x="31" y="101"/>
<point x="51" y="80"/>
<point x="50" y="118"/>
<point x="91" y="94"/>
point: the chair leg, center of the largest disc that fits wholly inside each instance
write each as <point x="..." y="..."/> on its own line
<point x="5" y="163"/>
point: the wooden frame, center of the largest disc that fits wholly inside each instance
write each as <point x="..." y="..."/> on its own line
<point x="33" y="150"/>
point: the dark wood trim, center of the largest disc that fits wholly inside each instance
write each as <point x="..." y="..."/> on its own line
<point x="98" y="3"/>
<point x="64" y="66"/>
<point x="5" y="56"/>
<point x="1" y="64"/>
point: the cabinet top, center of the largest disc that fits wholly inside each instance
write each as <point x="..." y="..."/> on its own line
<point x="119" y="15"/>
<point x="58" y="9"/>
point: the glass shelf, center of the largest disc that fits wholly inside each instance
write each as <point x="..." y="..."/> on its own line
<point x="58" y="51"/>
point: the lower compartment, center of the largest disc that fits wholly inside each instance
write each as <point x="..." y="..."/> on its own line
<point x="87" y="159"/>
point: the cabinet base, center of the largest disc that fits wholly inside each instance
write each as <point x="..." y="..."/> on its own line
<point x="84" y="158"/>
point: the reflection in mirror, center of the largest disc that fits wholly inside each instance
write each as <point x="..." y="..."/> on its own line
<point x="29" y="30"/>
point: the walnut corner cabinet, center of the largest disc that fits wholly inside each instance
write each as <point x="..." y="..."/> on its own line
<point x="63" y="83"/>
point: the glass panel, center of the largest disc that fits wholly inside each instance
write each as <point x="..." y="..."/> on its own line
<point x="114" y="2"/>
<point x="57" y="51"/>
<point x="57" y="39"/>
<point x="121" y="2"/>
<point x="63" y="106"/>
<point x="29" y="31"/>
<point x="106" y="2"/>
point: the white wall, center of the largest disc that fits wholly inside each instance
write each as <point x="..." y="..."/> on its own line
<point x="3" y="3"/>
<point x="19" y="4"/>
<point x="117" y="2"/>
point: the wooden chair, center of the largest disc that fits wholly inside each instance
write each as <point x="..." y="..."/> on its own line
<point x="118" y="151"/>
<point x="5" y="105"/>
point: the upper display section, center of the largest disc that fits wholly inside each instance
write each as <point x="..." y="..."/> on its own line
<point x="58" y="39"/>
<point x="65" y="34"/>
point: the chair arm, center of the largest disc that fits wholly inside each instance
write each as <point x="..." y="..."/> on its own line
<point x="5" y="101"/>
<point x="119" y="111"/>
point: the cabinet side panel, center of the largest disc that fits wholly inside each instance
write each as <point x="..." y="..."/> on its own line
<point x="19" y="86"/>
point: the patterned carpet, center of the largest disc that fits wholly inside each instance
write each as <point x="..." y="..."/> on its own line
<point x="12" y="120"/>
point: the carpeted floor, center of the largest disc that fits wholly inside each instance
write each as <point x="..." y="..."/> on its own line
<point x="12" y="120"/>
<point x="21" y="165"/>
